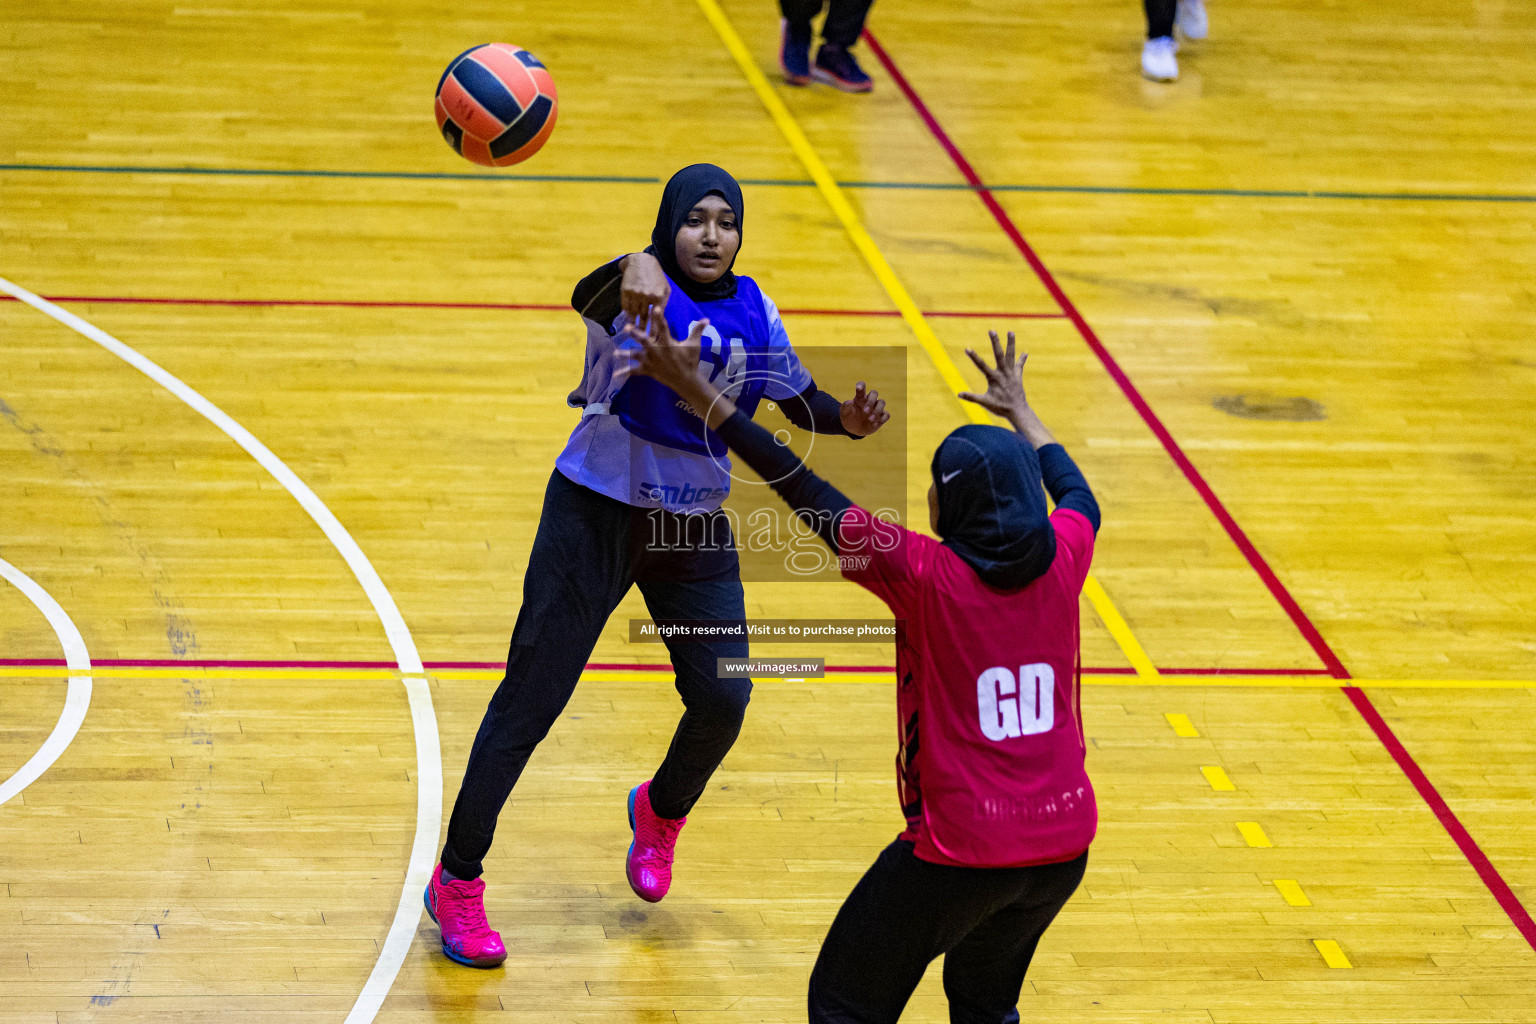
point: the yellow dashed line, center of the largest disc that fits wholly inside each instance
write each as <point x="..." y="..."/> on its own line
<point x="1333" y="956"/>
<point x="1182" y="726"/>
<point x="1217" y="777"/>
<point x="1253" y="833"/>
<point x="1292" y="892"/>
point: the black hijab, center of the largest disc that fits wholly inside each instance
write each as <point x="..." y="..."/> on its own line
<point x="992" y="509"/>
<point x="681" y="195"/>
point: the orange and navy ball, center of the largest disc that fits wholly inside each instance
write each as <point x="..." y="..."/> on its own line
<point x="496" y="104"/>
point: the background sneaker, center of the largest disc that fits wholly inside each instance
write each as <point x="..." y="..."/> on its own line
<point x="836" y="67"/>
<point x="1190" y="19"/>
<point x="458" y="910"/>
<point x="1157" y="60"/>
<point x="649" y="864"/>
<point x="794" y="54"/>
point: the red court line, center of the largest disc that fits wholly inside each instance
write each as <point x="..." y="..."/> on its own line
<point x="1116" y="671"/>
<point x="145" y="300"/>
<point x="1240" y="538"/>
<point x="662" y="665"/>
<point x="1226" y="671"/>
<point x="937" y="314"/>
<point x="934" y="313"/>
<point x="196" y="663"/>
<point x="165" y="300"/>
<point x="205" y="663"/>
<point x="1469" y="848"/>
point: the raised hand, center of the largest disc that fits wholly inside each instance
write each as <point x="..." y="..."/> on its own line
<point x="1005" y="391"/>
<point x="1005" y="381"/>
<point x="864" y="413"/>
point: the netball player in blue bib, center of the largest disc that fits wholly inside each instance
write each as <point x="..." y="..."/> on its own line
<point x="635" y="500"/>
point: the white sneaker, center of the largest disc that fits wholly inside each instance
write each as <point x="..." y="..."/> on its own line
<point x="1191" y="19"/>
<point x="1157" y="60"/>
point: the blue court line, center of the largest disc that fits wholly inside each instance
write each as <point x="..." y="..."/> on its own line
<point x="939" y="186"/>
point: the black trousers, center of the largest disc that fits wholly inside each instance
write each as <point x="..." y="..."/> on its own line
<point x="905" y="912"/>
<point x="1160" y="17"/>
<point x="845" y="19"/>
<point x="588" y="551"/>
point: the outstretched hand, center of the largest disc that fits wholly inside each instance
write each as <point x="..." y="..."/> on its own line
<point x="1005" y="390"/>
<point x="864" y="413"/>
<point x="676" y="364"/>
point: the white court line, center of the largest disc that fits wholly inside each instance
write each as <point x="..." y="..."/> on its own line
<point x="76" y="700"/>
<point x="429" y="765"/>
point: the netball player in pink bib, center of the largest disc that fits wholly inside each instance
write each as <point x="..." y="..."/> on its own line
<point x="998" y="804"/>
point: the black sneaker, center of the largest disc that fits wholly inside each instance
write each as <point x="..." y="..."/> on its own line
<point x="794" y="54"/>
<point x="836" y="67"/>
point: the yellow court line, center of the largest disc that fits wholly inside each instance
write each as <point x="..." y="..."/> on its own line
<point x="199" y="672"/>
<point x="1181" y="724"/>
<point x="1311" y="682"/>
<point x="1253" y="834"/>
<point x="1291" y="891"/>
<point x="1333" y="956"/>
<point x="827" y="185"/>
<point x="1120" y="630"/>
<point x="1217" y="776"/>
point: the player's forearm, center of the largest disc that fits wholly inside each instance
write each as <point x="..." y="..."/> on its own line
<point x="1026" y="423"/>
<point x="703" y="396"/>
<point x="810" y="497"/>
<point x="596" y="296"/>
<point x="632" y="283"/>
<point x="815" y="410"/>
<point x="1066" y="485"/>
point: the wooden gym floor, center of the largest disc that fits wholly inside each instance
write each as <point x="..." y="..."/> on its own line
<point x="1280" y="311"/>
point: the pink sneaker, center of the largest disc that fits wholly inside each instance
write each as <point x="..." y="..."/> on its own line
<point x="650" y="855"/>
<point x="458" y="910"/>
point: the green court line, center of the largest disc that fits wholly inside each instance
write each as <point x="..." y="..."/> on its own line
<point x="932" y="186"/>
<point x="262" y="172"/>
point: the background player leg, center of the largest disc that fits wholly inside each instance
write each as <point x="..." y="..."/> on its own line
<point x="984" y="971"/>
<point x="1157" y="54"/>
<point x="795" y="39"/>
<point x="845" y="22"/>
<point x="799" y="14"/>
<point x="1160" y="16"/>
<point x="835" y="64"/>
